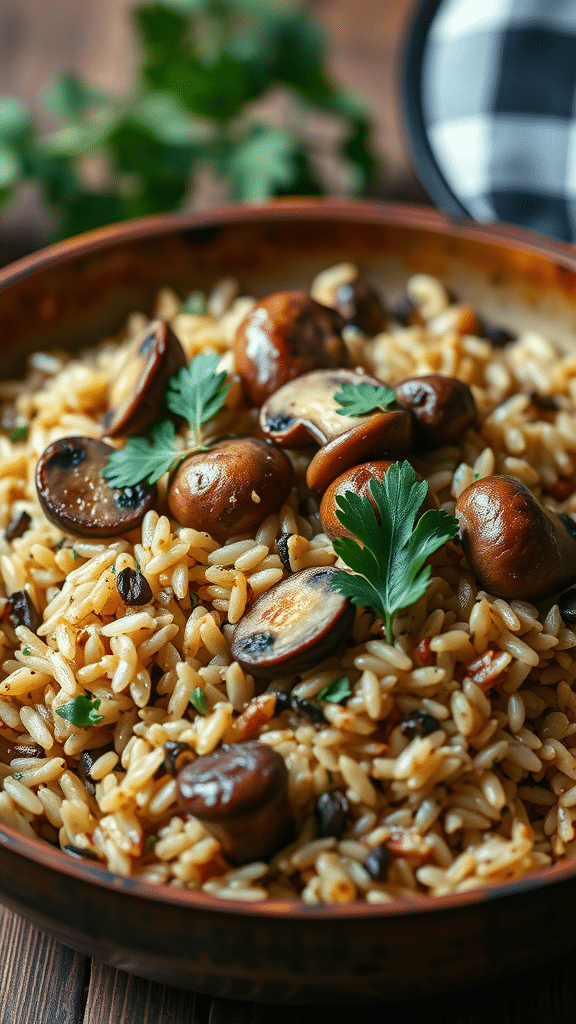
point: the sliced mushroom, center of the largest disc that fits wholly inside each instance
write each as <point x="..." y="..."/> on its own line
<point x="285" y="335"/>
<point x="17" y="526"/>
<point x="517" y="548"/>
<point x="356" y="479"/>
<point x="240" y="794"/>
<point x="443" y="408"/>
<point x="137" y="396"/>
<point x="305" y="411"/>
<point x="295" y="625"/>
<point x="23" y="611"/>
<point x="133" y="587"/>
<point x="331" y="811"/>
<point x="75" y="496"/>
<point x="231" y="487"/>
<point x="384" y="435"/>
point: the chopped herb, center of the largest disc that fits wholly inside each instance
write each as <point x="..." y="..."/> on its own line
<point x="476" y="476"/>
<point x="139" y="567"/>
<point x="16" y="433"/>
<point x="75" y="554"/>
<point x="17" y="775"/>
<point x="330" y="776"/>
<point x="81" y="712"/>
<point x="361" y="399"/>
<point x="195" y="303"/>
<point x="150" y="843"/>
<point x="195" y="392"/>
<point x="194" y="599"/>
<point x="26" y="652"/>
<point x="336" y="692"/>
<point x="198" y="700"/>
<point x="389" y="565"/>
<point x="71" y="599"/>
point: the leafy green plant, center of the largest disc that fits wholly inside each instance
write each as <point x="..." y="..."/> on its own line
<point x="208" y="71"/>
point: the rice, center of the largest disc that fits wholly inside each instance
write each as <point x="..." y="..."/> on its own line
<point x="486" y="795"/>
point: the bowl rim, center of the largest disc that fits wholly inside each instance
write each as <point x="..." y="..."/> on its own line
<point x="85" y="871"/>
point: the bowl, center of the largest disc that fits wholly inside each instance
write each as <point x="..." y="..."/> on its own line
<point x="75" y="293"/>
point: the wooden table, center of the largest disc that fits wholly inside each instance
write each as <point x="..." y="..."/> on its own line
<point x="43" y="982"/>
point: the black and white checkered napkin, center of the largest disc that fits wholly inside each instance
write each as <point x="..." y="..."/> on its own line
<point x="497" y="87"/>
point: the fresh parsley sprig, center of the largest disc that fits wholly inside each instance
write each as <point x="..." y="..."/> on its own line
<point x="362" y="399"/>
<point x="196" y="392"/>
<point x="81" y="712"/>
<point x="388" y="566"/>
<point x="335" y="692"/>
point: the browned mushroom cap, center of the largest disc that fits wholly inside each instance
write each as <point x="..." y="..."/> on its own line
<point x="305" y="411"/>
<point x="240" y="794"/>
<point x="231" y="487"/>
<point x="137" y="397"/>
<point x="359" y="304"/>
<point x="285" y="335"/>
<point x="357" y="479"/>
<point x="386" y="435"/>
<point x="443" y="408"/>
<point x="75" y="496"/>
<point x="516" y="548"/>
<point x="295" y="625"/>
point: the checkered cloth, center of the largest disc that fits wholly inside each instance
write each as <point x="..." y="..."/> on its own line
<point x="498" y="83"/>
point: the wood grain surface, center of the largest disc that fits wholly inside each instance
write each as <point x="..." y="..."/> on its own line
<point x="43" y="982"/>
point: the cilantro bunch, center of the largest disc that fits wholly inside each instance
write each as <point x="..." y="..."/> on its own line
<point x="205" y="70"/>
<point x="196" y="392"/>
<point x="388" y="560"/>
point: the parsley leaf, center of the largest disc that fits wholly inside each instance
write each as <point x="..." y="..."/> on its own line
<point x="336" y="692"/>
<point x="361" y="399"/>
<point x="81" y="712"/>
<point x="144" y="460"/>
<point x="197" y="392"/>
<point x="16" y="432"/>
<point x="199" y="701"/>
<point x="194" y="303"/>
<point x="389" y="570"/>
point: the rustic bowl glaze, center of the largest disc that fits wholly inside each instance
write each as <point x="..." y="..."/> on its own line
<point x="72" y="295"/>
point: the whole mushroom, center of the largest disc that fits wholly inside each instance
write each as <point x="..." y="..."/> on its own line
<point x="231" y="487"/>
<point x="285" y="335"/>
<point x="442" y="407"/>
<point x="357" y="479"/>
<point x="240" y="794"/>
<point x="517" y="548"/>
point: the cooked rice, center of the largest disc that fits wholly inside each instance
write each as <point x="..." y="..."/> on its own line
<point x="487" y="797"/>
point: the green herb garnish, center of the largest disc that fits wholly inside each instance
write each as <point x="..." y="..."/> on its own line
<point x="195" y="303"/>
<point x="362" y="399"/>
<point x="16" y="433"/>
<point x="26" y="652"/>
<point x="150" y="843"/>
<point x="81" y="712"/>
<point x="389" y="570"/>
<point x="195" y="392"/>
<point x="336" y="692"/>
<point x="198" y="700"/>
<point x="17" y="775"/>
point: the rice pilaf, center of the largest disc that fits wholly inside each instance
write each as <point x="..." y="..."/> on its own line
<point x="485" y="794"/>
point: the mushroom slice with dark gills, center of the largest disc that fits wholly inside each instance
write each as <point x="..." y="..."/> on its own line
<point x="517" y="548"/>
<point x="137" y="396"/>
<point x="295" y="625"/>
<point x="240" y="794"/>
<point x="231" y="487"/>
<point x="306" y="411"/>
<point x="75" y="496"/>
<point x="285" y="335"/>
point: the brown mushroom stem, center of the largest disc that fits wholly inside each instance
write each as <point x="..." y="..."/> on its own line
<point x="517" y="548"/>
<point x="442" y="407"/>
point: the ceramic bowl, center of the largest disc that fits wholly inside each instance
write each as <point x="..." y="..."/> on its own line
<point x="75" y="293"/>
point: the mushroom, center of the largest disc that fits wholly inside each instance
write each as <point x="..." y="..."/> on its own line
<point x="231" y="487"/>
<point x="331" y="811"/>
<point x="517" y="548"/>
<point x="360" y="305"/>
<point x="137" y="396"/>
<point x="75" y="496"/>
<point x="294" y="625"/>
<point x="285" y="335"/>
<point x="23" y="611"/>
<point x="240" y="794"/>
<point x="306" y="410"/>
<point x="133" y="587"/>
<point x="443" y="408"/>
<point x="357" y="479"/>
